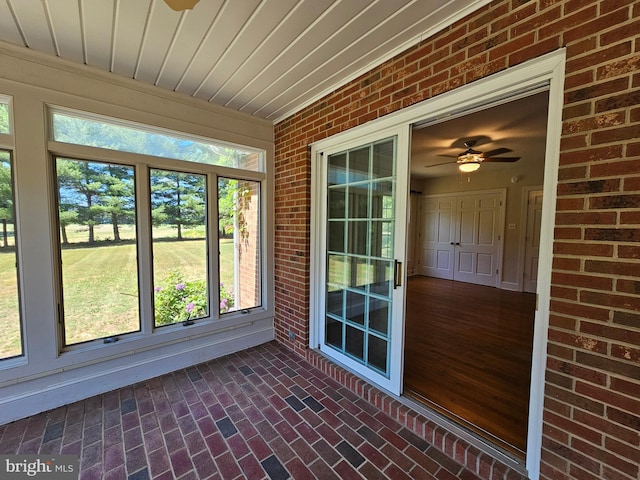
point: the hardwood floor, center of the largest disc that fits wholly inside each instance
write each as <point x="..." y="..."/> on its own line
<point x="468" y="355"/>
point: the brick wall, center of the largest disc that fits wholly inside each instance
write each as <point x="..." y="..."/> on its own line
<point x="592" y="391"/>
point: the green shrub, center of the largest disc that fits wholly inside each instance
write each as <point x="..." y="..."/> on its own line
<point x="177" y="300"/>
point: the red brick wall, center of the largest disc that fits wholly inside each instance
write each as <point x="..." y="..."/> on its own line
<point x="592" y="392"/>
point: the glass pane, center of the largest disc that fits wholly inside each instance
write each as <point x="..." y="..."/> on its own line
<point x="359" y="164"/>
<point x="335" y="303"/>
<point x="333" y="334"/>
<point x="96" y="217"/>
<point x="358" y="272"/>
<point x="337" y="173"/>
<point x="337" y="202"/>
<point x="357" y="237"/>
<point x="377" y="353"/>
<point x="336" y="271"/>
<point x="4" y="118"/>
<point x="179" y="231"/>
<point x="381" y="274"/>
<point x="354" y="342"/>
<point x="108" y="133"/>
<point x="239" y="244"/>
<point x="356" y="307"/>
<point x="381" y="239"/>
<point x="359" y="202"/>
<point x="382" y="199"/>
<point x="335" y="236"/>
<point x="10" y="328"/>
<point x="379" y="315"/>
<point x="383" y="159"/>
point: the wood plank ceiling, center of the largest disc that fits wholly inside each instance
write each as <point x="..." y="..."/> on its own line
<point x="268" y="58"/>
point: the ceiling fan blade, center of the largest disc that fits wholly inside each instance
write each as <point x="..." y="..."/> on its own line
<point x="501" y="159"/>
<point x="497" y="151"/>
<point x="438" y="164"/>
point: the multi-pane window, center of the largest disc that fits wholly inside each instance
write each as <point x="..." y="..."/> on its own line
<point x="180" y="267"/>
<point x="97" y="221"/>
<point x="10" y="327"/>
<point x="135" y="238"/>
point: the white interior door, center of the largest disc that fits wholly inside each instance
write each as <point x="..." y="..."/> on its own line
<point x="532" y="240"/>
<point x="436" y="237"/>
<point x="477" y="238"/>
<point x="460" y="237"/>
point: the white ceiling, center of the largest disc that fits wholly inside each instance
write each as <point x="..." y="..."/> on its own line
<point x="268" y="58"/>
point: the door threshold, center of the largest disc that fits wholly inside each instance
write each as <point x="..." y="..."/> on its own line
<point x="475" y="436"/>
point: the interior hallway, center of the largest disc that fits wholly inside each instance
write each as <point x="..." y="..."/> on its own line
<point x="263" y="413"/>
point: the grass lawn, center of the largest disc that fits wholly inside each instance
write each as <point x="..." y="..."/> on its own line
<point x="101" y="286"/>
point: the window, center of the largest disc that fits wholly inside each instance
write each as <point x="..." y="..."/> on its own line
<point x="4" y="117"/>
<point x="97" y="220"/>
<point x="10" y="325"/>
<point x="179" y="208"/>
<point x="239" y="238"/>
<point x="113" y="135"/>
<point x="135" y="238"/>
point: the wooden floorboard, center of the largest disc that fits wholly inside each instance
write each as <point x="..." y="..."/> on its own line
<point x="468" y="355"/>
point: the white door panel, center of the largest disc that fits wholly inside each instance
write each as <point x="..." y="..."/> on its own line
<point x="436" y="238"/>
<point x="460" y="237"/>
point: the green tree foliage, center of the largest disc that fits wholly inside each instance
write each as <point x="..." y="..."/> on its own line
<point x="96" y="192"/>
<point x="4" y="118"/>
<point x="178" y="199"/>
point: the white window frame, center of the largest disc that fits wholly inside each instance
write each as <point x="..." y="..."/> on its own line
<point x="149" y="335"/>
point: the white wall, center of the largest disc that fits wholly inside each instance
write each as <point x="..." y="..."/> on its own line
<point x="47" y="377"/>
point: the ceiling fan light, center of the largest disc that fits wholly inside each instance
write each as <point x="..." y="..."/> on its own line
<point x="179" y="5"/>
<point x="469" y="167"/>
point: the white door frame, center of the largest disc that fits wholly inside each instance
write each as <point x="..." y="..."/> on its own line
<point x="520" y="80"/>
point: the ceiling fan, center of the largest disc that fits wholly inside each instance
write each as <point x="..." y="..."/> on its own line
<point x="470" y="160"/>
<point x="179" y="5"/>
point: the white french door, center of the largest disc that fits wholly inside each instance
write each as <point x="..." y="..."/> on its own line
<point x="460" y="237"/>
<point x="362" y="232"/>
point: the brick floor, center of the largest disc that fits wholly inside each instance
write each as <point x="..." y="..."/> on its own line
<point x="264" y="413"/>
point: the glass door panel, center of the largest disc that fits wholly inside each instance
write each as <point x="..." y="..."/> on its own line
<point x="360" y="229"/>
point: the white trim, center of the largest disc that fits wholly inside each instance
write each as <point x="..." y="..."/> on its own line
<point x="545" y="70"/>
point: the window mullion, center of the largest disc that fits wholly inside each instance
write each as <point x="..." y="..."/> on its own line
<point x="214" y="245"/>
<point x="145" y="260"/>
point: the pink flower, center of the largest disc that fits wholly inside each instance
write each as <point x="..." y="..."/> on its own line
<point x="180" y="286"/>
<point x="189" y="308"/>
